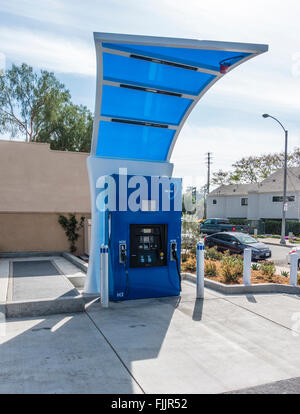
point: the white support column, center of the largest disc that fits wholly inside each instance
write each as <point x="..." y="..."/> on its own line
<point x="294" y="269"/>
<point x="247" y="267"/>
<point x="104" y="292"/>
<point x="200" y="270"/>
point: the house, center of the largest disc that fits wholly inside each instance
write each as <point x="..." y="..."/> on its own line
<point x="257" y="200"/>
<point x="36" y="186"/>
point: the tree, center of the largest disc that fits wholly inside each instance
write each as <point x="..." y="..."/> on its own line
<point x="255" y="169"/>
<point x="26" y="98"/>
<point x="220" y="178"/>
<point x="71" y="130"/>
<point x="39" y="108"/>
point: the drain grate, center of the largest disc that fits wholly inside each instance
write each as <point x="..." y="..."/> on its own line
<point x="34" y="268"/>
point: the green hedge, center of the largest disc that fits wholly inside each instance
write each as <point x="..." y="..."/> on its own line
<point x="238" y="221"/>
<point x="274" y="227"/>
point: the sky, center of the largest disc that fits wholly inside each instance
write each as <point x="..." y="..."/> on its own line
<point x="57" y="35"/>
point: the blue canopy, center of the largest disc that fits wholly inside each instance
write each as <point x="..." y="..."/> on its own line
<point x="147" y="86"/>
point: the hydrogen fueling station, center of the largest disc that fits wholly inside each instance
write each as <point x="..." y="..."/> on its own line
<point x="146" y="88"/>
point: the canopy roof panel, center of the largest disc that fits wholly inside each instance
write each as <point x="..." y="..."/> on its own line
<point x="147" y="86"/>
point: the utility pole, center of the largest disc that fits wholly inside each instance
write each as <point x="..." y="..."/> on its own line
<point x="206" y="192"/>
<point x="208" y="170"/>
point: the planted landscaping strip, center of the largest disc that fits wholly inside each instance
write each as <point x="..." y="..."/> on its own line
<point x="236" y="289"/>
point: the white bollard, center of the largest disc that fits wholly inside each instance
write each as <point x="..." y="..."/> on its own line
<point x="247" y="267"/>
<point x="101" y="270"/>
<point x="294" y="269"/>
<point x="200" y="270"/>
<point x="104" y="292"/>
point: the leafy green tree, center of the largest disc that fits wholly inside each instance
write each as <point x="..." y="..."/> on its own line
<point x="71" y="130"/>
<point x="39" y="108"/>
<point x="26" y="98"/>
<point x="220" y="177"/>
<point x="255" y="169"/>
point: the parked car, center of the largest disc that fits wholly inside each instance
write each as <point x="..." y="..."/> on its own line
<point x="236" y="243"/>
<point x="295" y="249"/>
<point x="215" y="225"/>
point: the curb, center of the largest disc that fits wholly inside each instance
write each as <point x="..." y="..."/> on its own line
<point x="76" y="261"/>
<point x="280" y="245"/>
<point x="242" y="289"/>
<point x="41" y="307"/>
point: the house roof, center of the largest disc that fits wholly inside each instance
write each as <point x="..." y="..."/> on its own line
<point x="272" y="184"/>
<point x="234" y="190"/>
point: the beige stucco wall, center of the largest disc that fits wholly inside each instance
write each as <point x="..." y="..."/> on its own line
<point x="36" y="185"/>
<point x="35" y="179"/>
<point x="35" y="232"/>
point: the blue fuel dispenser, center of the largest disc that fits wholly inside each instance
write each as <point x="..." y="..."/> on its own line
<point x="144" y="244"/>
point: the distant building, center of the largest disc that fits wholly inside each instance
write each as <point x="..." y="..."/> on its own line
<point x="259" y="200"/>
<point x="36" y="186"/>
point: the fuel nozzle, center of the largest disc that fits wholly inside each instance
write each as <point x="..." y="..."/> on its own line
<point x="174" y="257"/>
<point x="122" y="253"/>
<point x="174" y="250"/>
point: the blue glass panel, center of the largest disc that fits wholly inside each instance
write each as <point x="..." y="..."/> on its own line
<point x="133" y="141"/>
<point x="204" y="58"/>
<point x="143" y="106"/>
<point x="138" y="72"/>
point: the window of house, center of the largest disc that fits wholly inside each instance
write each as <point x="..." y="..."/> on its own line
<point x="279" y="199"/>
<point x="244" y="201"/>
<point x="214" y="201"/>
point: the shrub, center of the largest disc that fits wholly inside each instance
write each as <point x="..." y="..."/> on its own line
<point x="238" y="221"/>
<point x="268" y="269"/>
<point x="231" y="268"/>
<point x="189" y="264"/>
<point x="274" y="227"/>
<point x="71" y="227"/>
<point x="284" y="273"/>
<point x="210" y="269"/>
<point x="255" y="266"/>
<point x="213" y="254"/>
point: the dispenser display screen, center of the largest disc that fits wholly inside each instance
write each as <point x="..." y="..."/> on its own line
<point x="148" y="245"/>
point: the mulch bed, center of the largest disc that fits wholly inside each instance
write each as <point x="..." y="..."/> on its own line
<point x="257" y="276"/>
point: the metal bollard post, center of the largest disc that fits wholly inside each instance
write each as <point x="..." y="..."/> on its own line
<point x="101" y="271"/>
<point x="294" y="269"/>
<point x="104" y="293"/>
<point x="247" y="267"/>
<point x="200" y="270"/>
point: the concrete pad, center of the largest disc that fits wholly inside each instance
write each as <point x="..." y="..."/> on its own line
<point x="196" y="346"/>
<point x="60" y="354"/>
<point x="289" y="386"/>
<point x="37" y="286"/>
<point x="281" y="309"/>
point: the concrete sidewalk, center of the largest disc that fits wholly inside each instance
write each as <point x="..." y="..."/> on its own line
<point x="165" y="345"/>
<point x="276" y="242"/>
